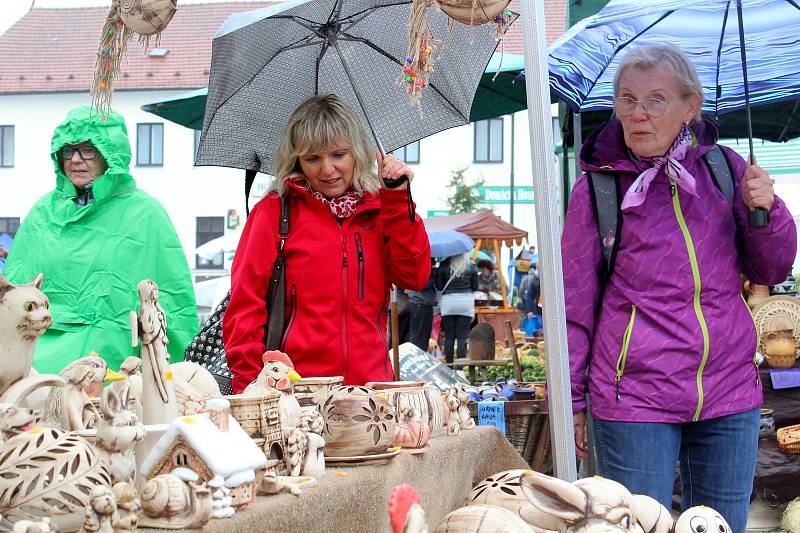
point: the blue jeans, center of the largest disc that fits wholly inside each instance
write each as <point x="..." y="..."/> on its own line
<point x="717" y="461"/>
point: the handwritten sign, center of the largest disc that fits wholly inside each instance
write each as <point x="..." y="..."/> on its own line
<point x="785" y="379"/>
<point x="492" y="414"/>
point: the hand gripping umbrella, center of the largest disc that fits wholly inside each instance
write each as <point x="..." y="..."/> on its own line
<point x="745" y="51"/>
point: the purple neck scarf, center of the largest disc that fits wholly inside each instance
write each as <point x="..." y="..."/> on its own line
<point x="670" y="163"/>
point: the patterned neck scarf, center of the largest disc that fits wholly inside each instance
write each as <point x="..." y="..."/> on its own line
<point x="670" y="163"/>
<point x="341" y="207"/>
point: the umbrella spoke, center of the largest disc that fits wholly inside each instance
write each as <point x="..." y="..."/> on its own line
<point x="719" y="56"/>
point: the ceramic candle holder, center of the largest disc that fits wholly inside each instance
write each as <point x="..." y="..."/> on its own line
<point x="358" y="421"/>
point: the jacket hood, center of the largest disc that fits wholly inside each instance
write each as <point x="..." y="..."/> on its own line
<point x="605" y="151"/>
<point x="110" y="136"/>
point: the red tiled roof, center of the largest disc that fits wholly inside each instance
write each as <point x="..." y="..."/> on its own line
<point x="54" y="50"/>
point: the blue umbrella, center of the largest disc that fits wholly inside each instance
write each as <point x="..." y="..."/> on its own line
<point x="745" y="51"/>
<point x="582" y="63"/>
<point x="448" y="243"/>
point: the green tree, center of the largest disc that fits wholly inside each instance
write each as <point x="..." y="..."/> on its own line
<point x="464" y="197"/>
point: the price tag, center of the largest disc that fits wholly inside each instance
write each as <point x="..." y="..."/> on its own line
<point x="492" y="414"/>
<point x="785" y="379"/>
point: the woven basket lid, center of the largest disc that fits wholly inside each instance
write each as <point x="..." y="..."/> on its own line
<point x="777" y="313"/>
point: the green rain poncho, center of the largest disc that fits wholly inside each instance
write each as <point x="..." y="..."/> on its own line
<point x="93" y="257"/>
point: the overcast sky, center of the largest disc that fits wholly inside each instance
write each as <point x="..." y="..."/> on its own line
<point x="13" y="10"/>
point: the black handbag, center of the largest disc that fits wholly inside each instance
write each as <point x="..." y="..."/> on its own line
<point x="207" y="348"/>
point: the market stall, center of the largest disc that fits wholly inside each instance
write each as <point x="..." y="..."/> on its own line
<point x="490" y="232"/>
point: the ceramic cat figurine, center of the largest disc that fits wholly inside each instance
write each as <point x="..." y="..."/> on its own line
<point x="24" y="316"/>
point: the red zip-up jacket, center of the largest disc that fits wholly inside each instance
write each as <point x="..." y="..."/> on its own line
<point x="338" y="276"/>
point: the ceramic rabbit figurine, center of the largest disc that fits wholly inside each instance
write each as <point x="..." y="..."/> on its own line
<point x="453" y="421"/>
<point x="24" y="316"/>
<point x="118" y="431"/>
<point x="465" y="419"/>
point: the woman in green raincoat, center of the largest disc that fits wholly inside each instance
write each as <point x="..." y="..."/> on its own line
<point x="94" y="238"/>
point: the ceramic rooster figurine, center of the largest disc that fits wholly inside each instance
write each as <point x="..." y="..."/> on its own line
<point x="405" y="512"/>
<point x="301" y="431"/>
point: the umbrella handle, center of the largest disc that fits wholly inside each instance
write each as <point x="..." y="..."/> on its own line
<point x="393" y="183"/>
<point x="757" y="218"/>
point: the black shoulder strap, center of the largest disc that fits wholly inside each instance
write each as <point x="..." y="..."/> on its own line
<point x="276" y="296"/>
<point x="604" y="193"/>
<point x="249" y="178"/>
<point x="720" y="172"/>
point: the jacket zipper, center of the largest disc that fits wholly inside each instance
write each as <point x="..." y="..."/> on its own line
<point x="758" y="338"/>
<point x="687" y="237"/>
<point x="344" y="299"/>
<point x="360" y="254"/>
<point x="623" y="352"/>
<point x="292" y="314"/>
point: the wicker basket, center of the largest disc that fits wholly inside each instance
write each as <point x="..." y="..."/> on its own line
<point x="259" y="416"/>
<point x="775" y="313"/>
<point x="528" y="430"/>
<point x="789" y="439"/>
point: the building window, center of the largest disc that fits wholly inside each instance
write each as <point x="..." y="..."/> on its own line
<point x="489" y="141"/>
<point x="196" y="144"/>
<point x="6" y="146"/>
<point x="9" y="225"/>
<point x="209" y="228"/>
<point x="149" y="145"/>
<point x="408" y="153"/>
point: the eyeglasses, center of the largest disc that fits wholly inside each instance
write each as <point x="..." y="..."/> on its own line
<point x="653" y="107"/>
<point x="86" y="151"/>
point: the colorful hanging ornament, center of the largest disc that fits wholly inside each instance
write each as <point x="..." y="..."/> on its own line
<point x="473" y="12"/>
<point x="419" y="58"/>
<point x="147" y="18"/>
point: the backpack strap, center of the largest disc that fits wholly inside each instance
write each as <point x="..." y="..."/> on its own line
<point x="605" y="196"/>
<point x="720" y="169"/>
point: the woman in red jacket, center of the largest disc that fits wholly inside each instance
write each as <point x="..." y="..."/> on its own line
<point x="350" y="238"/>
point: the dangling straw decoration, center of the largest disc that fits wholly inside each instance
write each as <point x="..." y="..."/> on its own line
<point x="501" y="23"/>
<point x="419" y="58"/>
<point x="111" y="49"/>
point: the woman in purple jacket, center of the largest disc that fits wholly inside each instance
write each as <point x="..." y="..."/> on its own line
<point x="665" y="346"/>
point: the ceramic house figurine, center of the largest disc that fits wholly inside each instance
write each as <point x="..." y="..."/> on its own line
<point x="24" y="316"/>
<point x="117" y="432"/>
<point x="36" y="494"/>
<point x="171" y="503"/>
<point x="101" y="511"/>
<point x="212" y="445"/>
<point x="70" y="408"/>
<point x="221" y="499"/>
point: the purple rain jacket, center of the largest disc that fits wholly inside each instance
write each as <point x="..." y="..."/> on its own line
<point x="673" y="340"/>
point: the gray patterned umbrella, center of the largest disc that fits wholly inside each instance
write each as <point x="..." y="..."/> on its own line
<point x="266" y="62"/>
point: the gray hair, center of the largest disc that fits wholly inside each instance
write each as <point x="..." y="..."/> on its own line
<point x="459" y="264"/>
<point x="319" y="123"/>
<point x="670" y="59"/>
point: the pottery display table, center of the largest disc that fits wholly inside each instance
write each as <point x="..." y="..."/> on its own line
<point x="356" y="499"/>
<point x="475" y="375"/>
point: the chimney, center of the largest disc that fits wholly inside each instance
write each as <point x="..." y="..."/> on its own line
<point x="219" y="409"/>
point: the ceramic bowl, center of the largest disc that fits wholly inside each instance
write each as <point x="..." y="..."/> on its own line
<point x="358" y="421"/>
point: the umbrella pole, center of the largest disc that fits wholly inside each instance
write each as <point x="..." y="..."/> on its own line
<point x="395" y="332"/>
<point x="756" y="218"/>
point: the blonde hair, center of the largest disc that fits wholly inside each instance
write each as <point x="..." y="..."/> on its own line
<point x="671" y="60"/>
<point x="459" y="264"/>
<point x="319" y="123"/>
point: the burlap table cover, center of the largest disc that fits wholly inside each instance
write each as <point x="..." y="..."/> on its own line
<point x="358" y="502"/>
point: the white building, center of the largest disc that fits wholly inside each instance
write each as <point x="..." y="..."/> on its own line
<point x="46" y="67"/>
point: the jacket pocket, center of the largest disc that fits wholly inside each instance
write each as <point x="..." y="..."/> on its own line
<point x="292" y="315"/>
<point x="361" y="265"/>
<point x="623" y="352"/>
